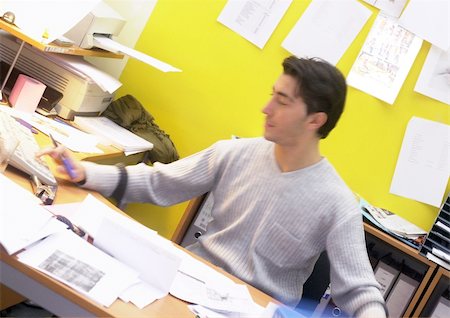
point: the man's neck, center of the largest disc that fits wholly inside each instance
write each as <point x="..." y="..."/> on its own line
<point x="292" y="158"/>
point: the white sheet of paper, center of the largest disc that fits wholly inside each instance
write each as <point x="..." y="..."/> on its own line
<point x="73" y="261"/>
<point x="254" y="20"/>
<point x="434" y="79"/>
<point x="326" y="29"/>
<point x="71" y="137"/>
<point x="423" y="165"/>
<point x="385" y="59"/>
<point x="129" y="242"/>
<point x="113" y="46"/>
<point x="428" y="19"/>
<point x="23" y="220"/>
<point x="52" y="17"/>
<point x="140" y="294"/>
<point x="391" y="7"/>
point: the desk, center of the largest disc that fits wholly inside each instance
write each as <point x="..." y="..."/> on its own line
<point x="66" y="302"/>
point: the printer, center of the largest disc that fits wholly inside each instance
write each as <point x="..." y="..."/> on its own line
<point x="81" y="95"/>
<point x="102" y="20"/>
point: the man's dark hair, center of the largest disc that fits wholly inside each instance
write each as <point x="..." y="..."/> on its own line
<point x="321" y="86"/>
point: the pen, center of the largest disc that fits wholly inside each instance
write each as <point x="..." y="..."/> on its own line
<point x="26" y="124"/>
<point x="65" y="161"/>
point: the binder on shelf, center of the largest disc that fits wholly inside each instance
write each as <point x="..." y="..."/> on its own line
<point x="385" y="275"/>
<point x="442" y="308"/>
<point x="401" y="293"/>
<point x="437" y="244"/>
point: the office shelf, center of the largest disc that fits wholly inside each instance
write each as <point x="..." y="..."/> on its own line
<point x="405" y="258"/>
<point x="439" y="287"/>
<point x="51" y="48"/>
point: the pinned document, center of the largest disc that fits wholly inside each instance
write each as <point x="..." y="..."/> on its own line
<point x="385" y="59"/>
<point x="423" y="165"/>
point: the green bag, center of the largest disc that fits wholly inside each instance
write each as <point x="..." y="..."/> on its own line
<point x="129" y="113"/>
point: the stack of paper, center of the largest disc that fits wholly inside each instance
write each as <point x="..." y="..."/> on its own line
<point x="112" y="134"/>
<point x="393" y="224"/>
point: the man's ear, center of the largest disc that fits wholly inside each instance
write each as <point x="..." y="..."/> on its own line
<point x="317" y="120"/>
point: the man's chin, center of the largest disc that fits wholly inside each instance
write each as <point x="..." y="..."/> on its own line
<point x="268" y="137"/>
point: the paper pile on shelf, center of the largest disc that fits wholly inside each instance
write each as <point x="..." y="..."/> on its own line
<point x="112" y="134"/>
<point x="393" y="224"/>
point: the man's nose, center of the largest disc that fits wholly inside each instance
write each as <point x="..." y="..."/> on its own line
<point x="269" y="107"/>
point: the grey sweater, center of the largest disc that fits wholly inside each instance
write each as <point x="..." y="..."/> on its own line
<point x="268" y="227"/>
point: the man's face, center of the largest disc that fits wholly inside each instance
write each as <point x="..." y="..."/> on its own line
<point x="286" y="119"/>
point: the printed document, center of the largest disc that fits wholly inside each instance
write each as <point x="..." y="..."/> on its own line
<point x="23" y="220"/>
<point x="254" y="20"/>
<point x="326" y="29"/>
<point x="434" y="79"/>
<point x="131" y="243"/>
<point x="68" y="258"/>
<point x="391" y="7"/>
<point x="385" y="59"/>
<point x="423" y="164"/>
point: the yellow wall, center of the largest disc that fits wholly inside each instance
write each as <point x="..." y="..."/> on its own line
<point x="226" y="81"/>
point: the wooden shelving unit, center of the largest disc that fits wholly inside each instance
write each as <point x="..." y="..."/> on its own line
<point x="439" y="285"/>
<point x="386" y="244"/>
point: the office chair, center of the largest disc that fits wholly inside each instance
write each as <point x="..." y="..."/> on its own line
<point x="315" y="285"/>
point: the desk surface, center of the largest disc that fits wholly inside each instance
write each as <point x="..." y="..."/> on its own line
<point x="64" y="301"/>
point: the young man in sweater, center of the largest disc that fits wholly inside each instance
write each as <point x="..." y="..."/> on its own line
<point x="277" y="202"/>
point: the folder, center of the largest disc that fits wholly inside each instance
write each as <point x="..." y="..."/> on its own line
<point x="442" y="308"/>
<point x="401" y="293"/>
<point x="385" y="276"/>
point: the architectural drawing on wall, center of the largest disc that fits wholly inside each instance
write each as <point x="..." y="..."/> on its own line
<point x="385" y="59"/>
<point x="326" y="29"/>
<point x="429" y="20"/>
<point x="391" y="7"/>
<point x="434" y="79"/>
<point x="254" y="20"/>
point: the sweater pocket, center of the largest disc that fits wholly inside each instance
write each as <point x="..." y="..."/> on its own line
<point x="280" y="247"/>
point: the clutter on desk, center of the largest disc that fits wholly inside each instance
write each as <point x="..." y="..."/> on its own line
<point x="130" y="114"/>
<point x="393" y="224"/>
<point x="110" y="133"/>
<point x="123" y="259"/>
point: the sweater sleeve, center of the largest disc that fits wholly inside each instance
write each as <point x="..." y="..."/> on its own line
<point x="160" y="184"/>
<point x="353" y="284"/>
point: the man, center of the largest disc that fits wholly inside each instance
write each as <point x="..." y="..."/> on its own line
<point x="277" y="202"/>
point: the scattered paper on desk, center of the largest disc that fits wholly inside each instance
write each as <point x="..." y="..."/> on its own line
<point x="111" y="133"/>
<point x="141" y="294"/>
<point x="385" y="59"/>
<point x="70" y="259"/>
<point x="326" y="29"/>
<point x="434" y="79"/>
<point x="108" y="44"/>
<point x="254" y="20"/>
<point x="45" y="21"/>
<point x="429" y="20"/>
<point x="131" y="243"/>
<point x="23" y="220"/>
<point x="423" y="164"/>
<point x="391" y="7"/>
